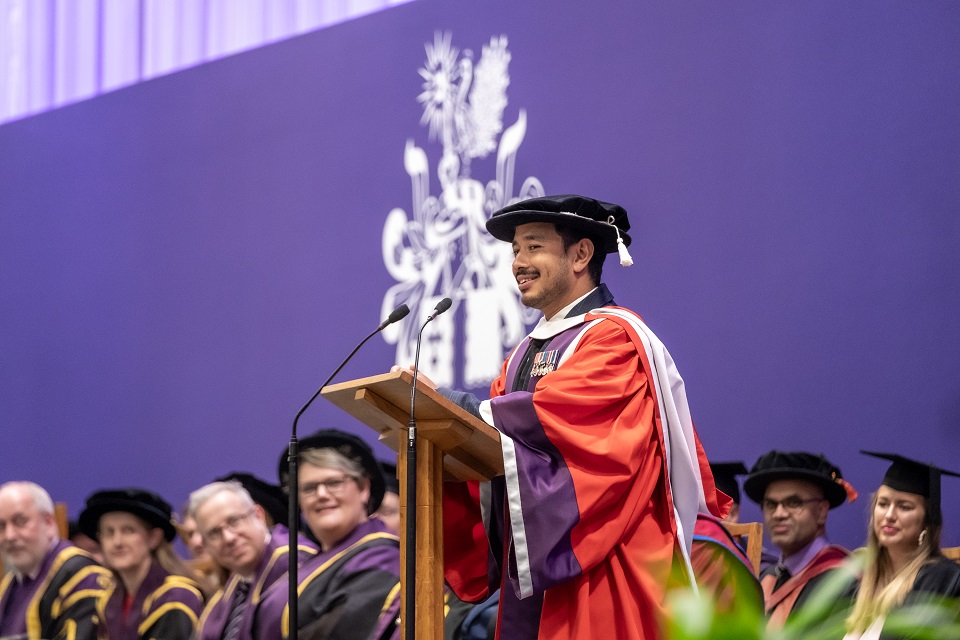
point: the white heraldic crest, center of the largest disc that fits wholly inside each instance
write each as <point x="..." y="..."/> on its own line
<point x="442" y="248"/>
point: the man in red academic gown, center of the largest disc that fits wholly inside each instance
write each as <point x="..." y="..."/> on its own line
<point x="604" y="472"/>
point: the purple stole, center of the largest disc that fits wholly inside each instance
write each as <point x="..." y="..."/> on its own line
<point x="545" y="361"/>
<point x="522" y="617"/>
<point x="16" y="599"/>
<point x="369" y="547"/>
<point x="15" y="596"/>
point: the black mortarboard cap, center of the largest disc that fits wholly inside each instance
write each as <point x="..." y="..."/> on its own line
<point x="725" y="477"/>
<point x="146" y="505"/>
<point x="911" y="476"/>
<point x="600" y="221"/>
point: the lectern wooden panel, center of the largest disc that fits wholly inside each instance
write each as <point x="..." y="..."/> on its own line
<point x="451" y="443"/>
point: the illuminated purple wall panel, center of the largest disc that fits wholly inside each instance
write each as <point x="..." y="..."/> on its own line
<point x="56" y="52"/>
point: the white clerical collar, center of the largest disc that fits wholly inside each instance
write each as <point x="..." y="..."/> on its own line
<point x="559" y="322"/>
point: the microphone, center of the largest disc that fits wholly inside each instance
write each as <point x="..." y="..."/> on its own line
<point x="293" y="523"/>
<point x="397" y="314"/>
<point x="411" y="531"/>
<point x="442" y="306"/>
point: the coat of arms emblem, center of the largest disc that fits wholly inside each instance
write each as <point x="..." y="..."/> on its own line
<point x="442" y="248"/>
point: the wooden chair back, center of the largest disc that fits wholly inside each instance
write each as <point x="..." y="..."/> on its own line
<point x="754" y="533"/>
<point x="951" y="552"/>
<point x="63" y="521"/>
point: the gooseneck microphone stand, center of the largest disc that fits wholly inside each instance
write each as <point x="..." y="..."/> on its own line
<point x="410" y="570"/>
<point x="293" y="453"/>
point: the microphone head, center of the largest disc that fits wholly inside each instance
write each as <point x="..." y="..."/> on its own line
<point x="398" y="314"/>
<point x="443" y="305"/>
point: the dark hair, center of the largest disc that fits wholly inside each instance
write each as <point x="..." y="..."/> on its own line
<point x="571" y="236"/>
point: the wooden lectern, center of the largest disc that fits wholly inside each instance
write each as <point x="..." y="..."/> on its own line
<point x="451" y="444"/>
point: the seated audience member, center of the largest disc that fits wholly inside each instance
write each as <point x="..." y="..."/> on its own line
<point x="52" y="587"/>
<point x="208" y="574"/>
<point x="350" y="590"/>
<point x="269" y="496"/>
<point x="725" y="477"/>
<point x="152" y="593"/>
<point x="82" y="541"/>
<point x="235" y="533"/>
<point x="389" y="510"/>
<point x="904" y="563"/>
<point x="720" y="565"/>
<point x="190" y="535"/>
<point x="796" y="491"/>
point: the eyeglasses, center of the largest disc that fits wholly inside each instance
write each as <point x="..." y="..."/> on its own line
<point x="791" y="504"/>
<point x="333" y="486"/>
<point x="232" y="524"/>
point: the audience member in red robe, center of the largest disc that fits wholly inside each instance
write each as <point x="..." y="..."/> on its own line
<point x="796" y="490"/>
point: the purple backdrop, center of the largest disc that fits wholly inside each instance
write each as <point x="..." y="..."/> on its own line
<point x="183" y="261"/>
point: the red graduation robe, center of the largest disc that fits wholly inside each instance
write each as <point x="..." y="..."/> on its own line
<point x="583" y="532"/>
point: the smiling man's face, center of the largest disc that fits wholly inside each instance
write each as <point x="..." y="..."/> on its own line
<point x="543" y="268"/>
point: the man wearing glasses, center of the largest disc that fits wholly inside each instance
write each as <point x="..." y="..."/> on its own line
<point x="235" y="533"/>
<point x="796" y="490"/>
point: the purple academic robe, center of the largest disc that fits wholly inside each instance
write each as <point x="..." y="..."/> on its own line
<point x="351" y="591"/>
<point x="273" y="566"/>
<point x="68" y="583"/>
<point x="165" y="606"/>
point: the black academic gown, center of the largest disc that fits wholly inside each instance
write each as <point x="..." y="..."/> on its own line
<point x="937" y="580"/>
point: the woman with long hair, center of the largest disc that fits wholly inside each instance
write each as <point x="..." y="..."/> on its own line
<point x="152" y="594"/>
<point x="904" y="563"/>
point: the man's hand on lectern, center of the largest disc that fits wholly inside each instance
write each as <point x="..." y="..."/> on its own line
<point x="421" y="376"/>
